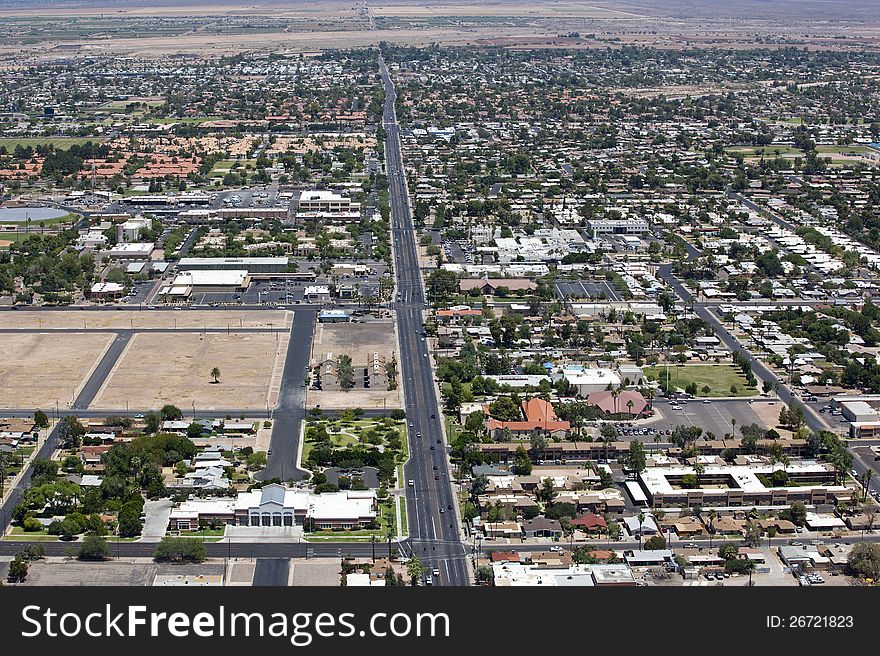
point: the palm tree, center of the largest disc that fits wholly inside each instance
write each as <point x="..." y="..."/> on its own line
<point x="629" y="406"/>
<point x="215" y="374"/>
<point x="641" y="519"/>
<point x="712" y="516"/>
<point x="866" y="481"/>
<point x="733" y="426"/>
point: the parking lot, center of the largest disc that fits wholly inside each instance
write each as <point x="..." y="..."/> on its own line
<point x="713" y="417"/>
<point x="577" y="289"/>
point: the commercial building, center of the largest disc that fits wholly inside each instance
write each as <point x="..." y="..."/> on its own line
<point x="325" y="201"/>
<point x="106" y="291"/>
<point x="275" y="505"/>
<point x="187" y="283"/>
<point x="334" y="316"/>
<point x="251" y="264"/>
<point x="588" y="380"/>
<point x="618" y="227"/>
<point x="137" y="251"/>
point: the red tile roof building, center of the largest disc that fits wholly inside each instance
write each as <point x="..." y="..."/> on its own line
<point x="539" y="417"/>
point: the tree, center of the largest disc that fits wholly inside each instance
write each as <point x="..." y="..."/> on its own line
<point x="130" y="524"/>
<point x="728" y="551"/>
<point x="18" y="570"/>
<point x="415" y="569"/>
<point x="864" y="560"/>
<point x="636" y="459"/>
<point x="522" y="464"/>
<point x="345" y="372"/>
<point x="170" y="412"/>
<point x="257" y="460"/>
<point x="70" y="432"/>
<point x="180" y="550"/>
<point x="655" y="542"/>
<point x="215" y="375"/>
<point x="94" y="548"/>
<point x="546" y="494"/>
<point x="152" y="421"/>
<point x="40" y="419"/>
<point x="753" y="535"/>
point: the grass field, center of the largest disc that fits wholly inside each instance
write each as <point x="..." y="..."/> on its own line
<point x="717" y="377"/>
<point x="843" y="150"/>
<point x="58" y="142"/>
<point x="766" y="151"/>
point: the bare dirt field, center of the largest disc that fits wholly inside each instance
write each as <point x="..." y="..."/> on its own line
<point x="315" y="571"/>
<point x="38" y="369"/>
<point x="359" y="341"/>
<point x="47" y="572"/>
<point x="122" y="319"/>
<point x="157" y="368"/>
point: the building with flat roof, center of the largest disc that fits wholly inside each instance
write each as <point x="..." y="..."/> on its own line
<point x="136" y="251"/>
<point x="276" y="505"/>
<point x="326" y="201"/>
<point x="743" y="485"/>
<point x="590" y="379"/>
<point x="106" y="291"/>
<point x="187" y="283"/>
<point x="618" y="227"/>
<point x="334" y="316"/>
<point x="251" y="264"/>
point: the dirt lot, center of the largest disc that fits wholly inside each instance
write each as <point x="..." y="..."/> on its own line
<point x="359" y="341"/>
<point x="146" y="319"/>
<point x="38" y="369"/>
<point x="74" y="573"/>
<point x="156" y="369"/>
<point x="315" y="571"/>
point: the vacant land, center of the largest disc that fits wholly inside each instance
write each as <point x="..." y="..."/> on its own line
<point x="46" y="572"/>
<point x="315" y="571"/>
<point x="360" y="341"/>
<point x="38" y="370"/>
<point x="717" y="377"/>
<point x="157" y="368"/>
<point x="131" y="319"/>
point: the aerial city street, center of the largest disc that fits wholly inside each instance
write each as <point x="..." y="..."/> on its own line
<point x="328" y="294"/>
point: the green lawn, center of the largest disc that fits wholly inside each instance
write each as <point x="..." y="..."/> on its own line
<point x="718" y="377"/>
<point x="848" y="150"/>
<point x="767" y="151"/>
<point x="338" y="440"/>
<point x="351" y="429"/>
<point x="58" y="142"/>
<point x="404" y="522"/>
<point x="14" y="237"/>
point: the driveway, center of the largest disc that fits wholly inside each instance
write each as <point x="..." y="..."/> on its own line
<point x="156" y="523"/>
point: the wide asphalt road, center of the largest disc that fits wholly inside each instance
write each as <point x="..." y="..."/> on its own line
<point x="271" y="572"/>
<point x="290" y="413"/>
<point x="762" y="372"/>
<point x="431" y="504"/>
